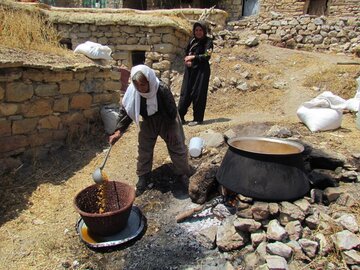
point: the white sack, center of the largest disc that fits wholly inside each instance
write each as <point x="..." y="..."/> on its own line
<point x="94" y="50"/>
<point x="353" y="104"/>
<point x="109" y="115"/>
<point x="323" y="112"/>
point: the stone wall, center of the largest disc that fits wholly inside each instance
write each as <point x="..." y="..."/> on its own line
<point x="232" y="7"/>
<point x="344" y="8"/>
<point x="336" y="34"/>
<point x="291" y="7"/>
<point x="43" y="107"/>
<point x="161" y="35"/>
<point x="160" y="45"/>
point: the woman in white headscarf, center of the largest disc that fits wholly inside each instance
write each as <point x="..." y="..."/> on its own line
<point x="151" y="99"/>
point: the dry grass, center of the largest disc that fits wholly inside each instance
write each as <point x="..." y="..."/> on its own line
<point x="341" y="80"/>
<point x="27" y="29"/>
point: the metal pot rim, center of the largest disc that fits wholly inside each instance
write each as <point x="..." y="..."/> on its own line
<point x="297" y="145"/>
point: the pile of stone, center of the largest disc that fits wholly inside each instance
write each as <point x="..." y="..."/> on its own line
<point x="320" y="230"/>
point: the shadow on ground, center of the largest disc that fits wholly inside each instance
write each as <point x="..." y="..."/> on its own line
<point x="56" y="168"/>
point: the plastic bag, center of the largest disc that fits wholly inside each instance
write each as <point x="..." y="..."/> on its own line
<point x="94" y="50"/>
<point x="109" y="115"/>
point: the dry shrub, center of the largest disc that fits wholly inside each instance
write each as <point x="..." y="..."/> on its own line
<point x="28" y="29"/>
<point x="340" y="80"/>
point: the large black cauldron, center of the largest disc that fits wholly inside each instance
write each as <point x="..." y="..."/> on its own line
<point x="266" y="169"/>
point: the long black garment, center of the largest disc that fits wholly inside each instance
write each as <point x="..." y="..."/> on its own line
<point x="195" y="83"/>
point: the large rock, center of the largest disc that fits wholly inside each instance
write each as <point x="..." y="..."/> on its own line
<point x="227" y="238"/>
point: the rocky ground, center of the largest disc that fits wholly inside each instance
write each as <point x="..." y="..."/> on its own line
<point x="252" y="91"/>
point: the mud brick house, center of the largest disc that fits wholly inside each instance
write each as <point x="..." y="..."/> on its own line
<point x="235" y="8"/>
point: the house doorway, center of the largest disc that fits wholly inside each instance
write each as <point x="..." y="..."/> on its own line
<point x="138" y="4"/>
<point x="137" y="58"/>
<point x="250" y="7"/>
<point x="316" y="7"/>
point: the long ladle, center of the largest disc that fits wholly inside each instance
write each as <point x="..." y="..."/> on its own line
<point x="97" y="174"/>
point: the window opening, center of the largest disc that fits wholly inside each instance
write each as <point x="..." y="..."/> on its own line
<point x="66" y="43"/>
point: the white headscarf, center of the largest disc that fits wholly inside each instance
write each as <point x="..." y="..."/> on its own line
<point x="131" y="100"/>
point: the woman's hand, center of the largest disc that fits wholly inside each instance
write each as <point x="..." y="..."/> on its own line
<point x="188" y="60"/>
<point x="113" y="138"/>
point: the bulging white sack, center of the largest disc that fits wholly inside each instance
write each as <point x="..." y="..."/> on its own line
<point x="320" y="119"/>
<point x="94" y="50"/>
<point x="323" y="112"/>
<point x="353" y="104"/>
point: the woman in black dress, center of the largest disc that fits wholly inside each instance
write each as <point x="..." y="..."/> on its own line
<point x="196" y="76"/>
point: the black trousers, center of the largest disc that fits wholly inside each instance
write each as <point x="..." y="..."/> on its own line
<point x="194" y="90"/>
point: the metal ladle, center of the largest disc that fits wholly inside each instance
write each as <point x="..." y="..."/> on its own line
<point x="97" y="174"/>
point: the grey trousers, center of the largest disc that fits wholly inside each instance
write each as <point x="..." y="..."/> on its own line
<point x="150" y="129"/>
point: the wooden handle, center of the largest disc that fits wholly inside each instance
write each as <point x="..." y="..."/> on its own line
<point x="184" y="215"/>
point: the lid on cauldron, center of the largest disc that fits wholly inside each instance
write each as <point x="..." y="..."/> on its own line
<point x="267" y="146"/>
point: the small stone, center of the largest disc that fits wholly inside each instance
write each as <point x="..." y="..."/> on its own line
<point x="294" y="229"/>
<point x="275" y="231"/>
<point x="352" y="257"/>
<point x="309" y="247"/>
<point x="345" y="240"/>
<point x="279" y="249"/>
<point x="348" y="222"/>
<point x="276" y="262"/>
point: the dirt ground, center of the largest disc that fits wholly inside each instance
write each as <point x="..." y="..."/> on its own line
<point x="38" y="220"/>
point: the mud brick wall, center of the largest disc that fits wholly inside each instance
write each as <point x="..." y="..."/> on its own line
<point x="41" y="108"/>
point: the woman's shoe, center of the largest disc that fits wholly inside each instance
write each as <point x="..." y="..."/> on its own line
<point x="194" y="123"/>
